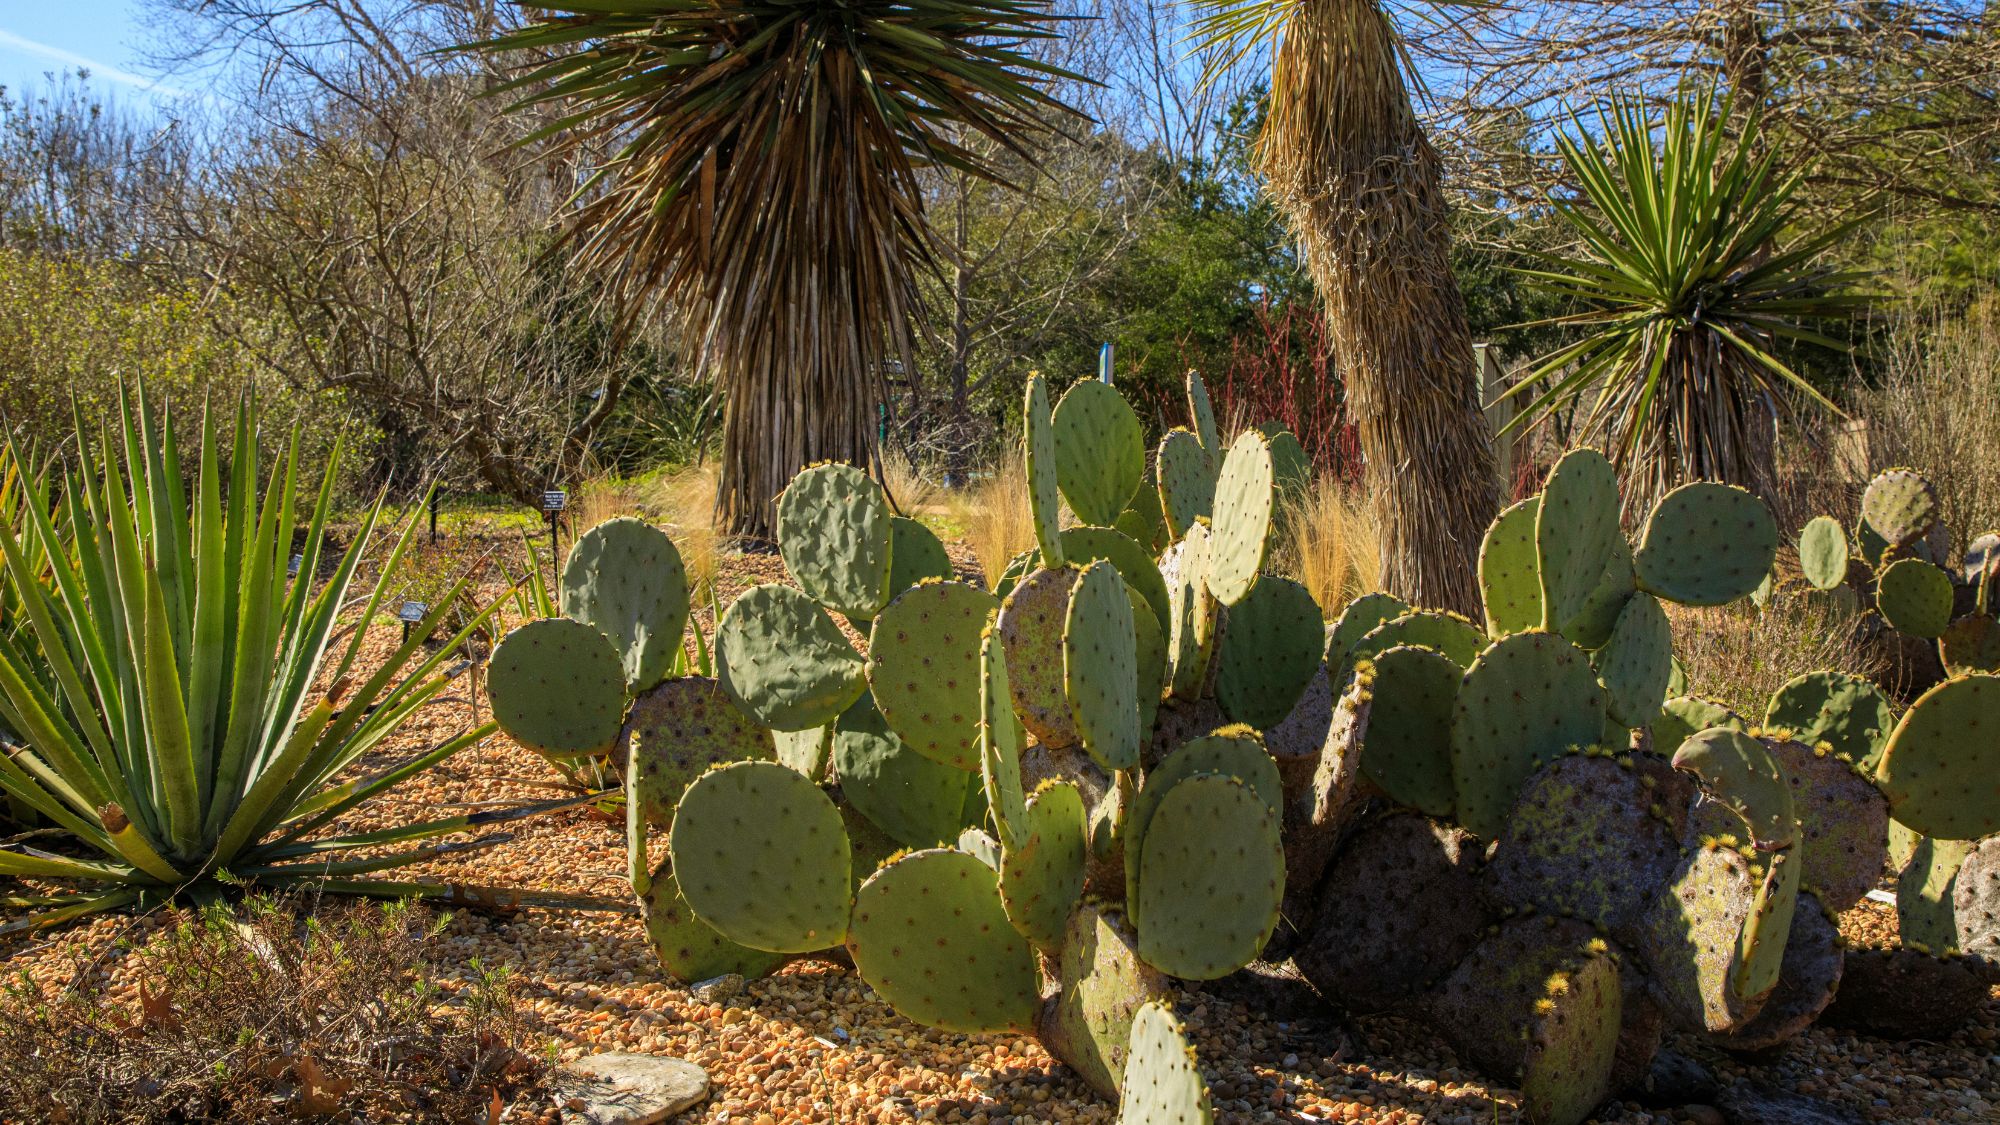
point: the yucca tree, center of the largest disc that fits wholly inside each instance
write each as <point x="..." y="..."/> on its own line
<point x="763" y="186"/>
<point x="1343" y="155"/>
<point x="1696" y="259"/>
<point x="175" y="704"/>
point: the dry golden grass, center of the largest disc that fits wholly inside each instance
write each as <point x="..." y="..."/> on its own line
<point x="684" y="503"/>
<point x="1739" y="655"/>
<point x="1330" y="545"/>
<point x="996" y="517"/>
<point x="1934" y="411"/>
<point x="912" y="490"/>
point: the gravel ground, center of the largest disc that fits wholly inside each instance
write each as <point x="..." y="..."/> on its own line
<point x="813" y="1044"/>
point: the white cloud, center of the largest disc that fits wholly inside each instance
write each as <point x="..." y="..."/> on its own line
<point x="97" y="69"/>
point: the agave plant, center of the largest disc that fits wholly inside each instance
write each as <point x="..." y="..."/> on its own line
<point x="178" y="702"/>
<point x="1687" y="292"/>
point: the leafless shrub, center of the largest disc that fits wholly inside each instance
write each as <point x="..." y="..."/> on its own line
<point x="1738" y="655"/>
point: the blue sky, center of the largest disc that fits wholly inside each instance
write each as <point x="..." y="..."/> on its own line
<point x="104" y="36"/>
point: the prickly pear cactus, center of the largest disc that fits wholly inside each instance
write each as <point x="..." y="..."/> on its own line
<point x="1041" y="873"/>
<point x="1850" y="714"/>
<point x="1527" y="700"/>
<point x="625" y="579"/>
<point x="931" y="936"/>
<point x="675" y="733"/>
<point x="923" y="668"/>
<point x="1269" y="652"/>
<point x="1038" y="453"/>
<point x="1823" y="553"/>
<point x="913" y="797"/>
<point x="1100" y="451"/>
<point x="1186" y="481"/>
<point x="1211" y="876"/>
<point x="1162" y="1084"/>
<point x="1031" y="634"/>
<point x="558" y="688"/>
<point x="834" y="534"/>
<point x="1406" y="750"/>
<point x="1706" y="544"/>
<point x="1576" y="532"/>
<point x="1843" y="821"/>
<point x="1915" y="597"/>
<point x="1101" y="985"/>
<point x="1938" y="781"/>
<point x="1361" y="617"/>
<point x="1245" y="497"/>
<point x="1440" y="631"/>
<point x="784" y="886"/>
<point x="1083" y="544"/>
<point x="1510" y="580"/>
<point x="1900" y="506"/>
<point x="784" y="660"/>
<point x="1101" y="667"/>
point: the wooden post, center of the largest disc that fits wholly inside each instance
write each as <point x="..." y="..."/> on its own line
<point x="1492" y="384"/>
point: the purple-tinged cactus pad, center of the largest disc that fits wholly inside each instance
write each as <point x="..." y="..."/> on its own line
<point x="923" y="668"/>
<point x="1398" y="908"/>
<point x="785" y="661"/>
<point x="762" y="855"/>
<point x="1211" y="876"/>
<point x="1163" y="1084"/>
<point x="1975" y="900"/>
<point x="930" y="935"/>
<point x="1100" y="988"/>
<point x="1899" y="505"/>
<point x="1941" y="771"/>
<point x="558" y="688"/>
<point x="1905" y="994"/>
<point x="1031" y="635"/>
<point x="1593" y="837"/>
<point x="1807" y="981"/>
<point x="1843" y="822"/>
<point x="1510" y="579"/>
<point x="1706" y="544"/>
<point x="1530" y="698"/>
<point x="1540" y="1000"/>
<point x="675" y="733"/>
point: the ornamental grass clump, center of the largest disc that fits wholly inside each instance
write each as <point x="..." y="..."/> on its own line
<point x="174" y="691"/>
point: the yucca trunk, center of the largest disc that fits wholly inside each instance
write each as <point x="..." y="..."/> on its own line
<point x="1350" y="166"/>
<point x="779" y="419"/>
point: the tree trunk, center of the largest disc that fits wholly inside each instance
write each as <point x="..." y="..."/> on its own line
<point x="1352" y="169"/>
<point x="774" y="426"/>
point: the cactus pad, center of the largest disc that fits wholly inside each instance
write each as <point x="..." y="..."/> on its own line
<point x="1101" y="986"/>
<point x="929" y="934"/>
<point x="915" y="553"/>
<point x="1291" y="468"/>
<point x="1686" y="715"/>
<point x="1706" y="544"/>
<point x="1807" y="979"/>
<point x="1528" y="699"/>
<point x="557" y="688"/>
<point x="1593" y="838"/>
<point x="1041" y="875"/>
<point x="675" y="732"/>
<point x="1741" y="772"/>
<point x="624" y="578"/>
<point x="1637" y="661"/>
<point x="1203" y="416"/>
<point x="762" y="856"/>
<point x="1407" y="750"/>
<point x="1576" y="531"/>
<point x="1939" y="768"/>
<point x="1245" y="497"/>
<point x="1970" y="644"/>
<point x="1975" y="900"/>
<point x="1000" y="737"/>
<point x="1270" y="650"/>
<point x="917" y="800"/>
<point x="1510" y="580"/>
<point x="689" y="948"/>
<point x="1187" y="481"/>
<point x="1399" y="906"/>
<point x="1899" y="506"/>
<point x="1100" y="451"/>
<point x="1163" y="1086"/>
<point x="1539" y="999"/>
<point x="1590" y="627"/>
<point x="1143" y="521"/>
<point x="1038" y="453"/>
<point x="1211" y="876"/>
<point x="1823" y="552"/>
<point x="1231" y="751"/>
<point x="1150" y="646"/>
<point x="833" y="531"/>
<point x="807" y="751"/>
<point x="1915" y="597"/>
<point x="1135" y="566"/>
<point x="980" y="845"/>
<point x="1031" y="634"/>
<point x="1195" y="615"/>
<point x="1446" y="633"/>
<point x="1694" y="939"/>
<point x="1926" y="899"/>
<point x="1359" y="618"/>
<point x="1843" y="822"/>
<point x="1101" y="667"/>
<point x="1847" y="712"/>
<point x="923" y="668"/>
<point x="1017" y="568"/>
<point x="785" y="661"/>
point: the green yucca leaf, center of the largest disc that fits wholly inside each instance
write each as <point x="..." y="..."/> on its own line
<point x="157" y="671"/>
<point x="1696" y="258"/>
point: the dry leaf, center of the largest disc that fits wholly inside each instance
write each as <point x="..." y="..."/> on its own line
<point x="319" y="1094"/>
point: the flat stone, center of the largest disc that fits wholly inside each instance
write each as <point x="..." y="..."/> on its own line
<point x="715" y="990"/>
<point x="624" y="1088"/>
<point x="1750" y="1104"/>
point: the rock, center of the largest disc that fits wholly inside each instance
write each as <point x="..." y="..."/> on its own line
<point x="623" y="1088"/>
<point x="1750" y="1104"/>
<point x="1702" y="1114"/>
<point x="1674" y="1080"/>
<point x="715" y="990"/>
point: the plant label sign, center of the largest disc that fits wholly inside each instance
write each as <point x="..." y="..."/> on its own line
<point x="554" y="500"/>
<point x="412" y="612"/>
